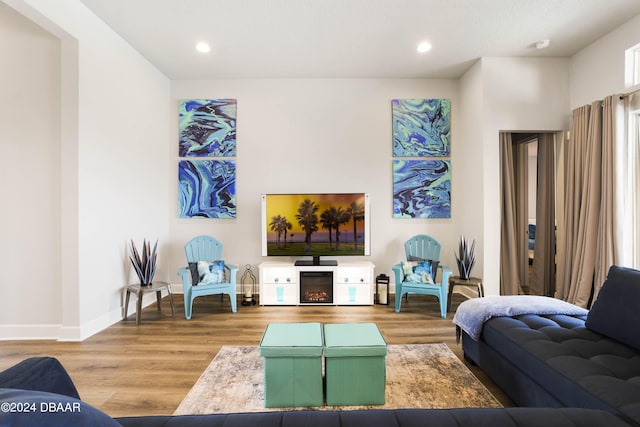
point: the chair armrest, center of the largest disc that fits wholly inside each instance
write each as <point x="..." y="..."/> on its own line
<point x="397" y="268"/>
<point x="398" y="273"/>
<point x="446" y="272"/>
<point x="231" y="267"/>
<point x="185" y="275"/>
<point x="233" y="272"/>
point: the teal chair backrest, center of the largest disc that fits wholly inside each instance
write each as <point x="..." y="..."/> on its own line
<point x="422" y="247"/>
<point x="203" y="248"/>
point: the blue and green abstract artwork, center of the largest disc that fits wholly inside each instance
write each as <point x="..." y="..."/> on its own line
<point x="207" y="128"/>
<point x="421" y="127"/>
<point x="207" y="188"/>
<point x="421" y="189"/>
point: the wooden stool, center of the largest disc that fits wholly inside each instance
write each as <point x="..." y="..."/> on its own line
<point x="457" y="281"/>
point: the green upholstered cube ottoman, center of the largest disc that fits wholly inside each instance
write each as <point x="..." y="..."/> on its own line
<point x="355" y="371"/>
<point x="292" y="364"/>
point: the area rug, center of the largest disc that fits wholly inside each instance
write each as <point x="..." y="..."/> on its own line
<point x="418" y="376"/>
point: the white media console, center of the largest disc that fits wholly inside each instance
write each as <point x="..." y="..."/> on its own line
<point x="348" y="283"/>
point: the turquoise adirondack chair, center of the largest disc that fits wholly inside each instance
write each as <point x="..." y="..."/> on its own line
<point x="206" y="248"/>
<point x="422" y="248"/>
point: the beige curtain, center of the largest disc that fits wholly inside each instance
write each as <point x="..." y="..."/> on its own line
<point x="509" y="277"/>
<point x="582" y="205"/>
<point x="543" y="280"/>
<point x="632" y="207"/>
<point x="513" y="241"/>
<point x="608" y="248"/>
<point x="594" y="199"/>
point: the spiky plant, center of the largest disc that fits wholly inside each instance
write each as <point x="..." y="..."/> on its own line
<point x="466" y="257"/>
<point x="144" y="263"/>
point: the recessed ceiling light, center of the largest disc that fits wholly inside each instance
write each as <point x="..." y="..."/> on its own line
<point x="424" y="47"/>
<point x="543" y="44"/>
<point x="203" y="47"/>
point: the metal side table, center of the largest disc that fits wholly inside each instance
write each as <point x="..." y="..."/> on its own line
<point x="457" y="281"/>
<point x="140" y="290"/>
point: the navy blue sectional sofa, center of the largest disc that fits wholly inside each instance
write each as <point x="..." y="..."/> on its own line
<point x="558" y="360"/>
<point x="38" y="392"/>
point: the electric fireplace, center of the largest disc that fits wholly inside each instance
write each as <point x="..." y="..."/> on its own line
<point x="316" y="287"/>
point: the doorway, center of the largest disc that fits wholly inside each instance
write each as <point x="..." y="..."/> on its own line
<point x="528" y="213"/>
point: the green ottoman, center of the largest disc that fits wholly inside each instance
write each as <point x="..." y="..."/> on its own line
<point x="292" y="364"/>
<point x="355" y="370"/>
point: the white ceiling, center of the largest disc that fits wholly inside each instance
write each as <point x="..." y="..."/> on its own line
<point x="352" y="38"/>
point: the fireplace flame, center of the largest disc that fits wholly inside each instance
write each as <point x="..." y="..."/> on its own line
<point x="316" y="295"/>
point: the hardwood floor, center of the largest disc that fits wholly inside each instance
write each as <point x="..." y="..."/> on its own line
<point x="129" y="370"/>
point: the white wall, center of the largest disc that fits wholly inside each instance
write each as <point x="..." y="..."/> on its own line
<point x="598" y="70"/>
<point x="316" y="135"/>
<point x="519" y="94"/>
<point x="29" y="176"/>
<point x="469" y="175"/>
<point x="115" y="133"/>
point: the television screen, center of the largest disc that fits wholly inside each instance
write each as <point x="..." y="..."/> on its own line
<point x="322" y="224"/>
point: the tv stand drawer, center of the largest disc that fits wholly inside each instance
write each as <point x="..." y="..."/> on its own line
<point x="353" y="294"/>
<point x="353" y="275"/>
<point x="279" y="275"/>
<point x="279" y="294"/>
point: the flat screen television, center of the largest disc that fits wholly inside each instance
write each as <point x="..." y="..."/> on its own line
<point x="315" y="225"/>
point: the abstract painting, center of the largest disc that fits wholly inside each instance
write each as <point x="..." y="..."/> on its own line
<point x="207" y="128"/>
<point x="421" y="189"/>
<point x="421" y="127"/>
<point x="207" y="188"/>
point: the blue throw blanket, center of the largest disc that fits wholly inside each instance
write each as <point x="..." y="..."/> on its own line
<point x="471" y="314"/>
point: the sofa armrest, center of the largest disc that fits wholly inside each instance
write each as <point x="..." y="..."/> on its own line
<point x="39" y="374"/>
<point x="41" y="409"/>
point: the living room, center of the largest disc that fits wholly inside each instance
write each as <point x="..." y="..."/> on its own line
<point x="89" y="219"/>
<point x="102" y="156"/>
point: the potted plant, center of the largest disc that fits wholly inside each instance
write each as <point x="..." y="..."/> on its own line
<point x="144" y="263"/>
<point x="466" y="257"/>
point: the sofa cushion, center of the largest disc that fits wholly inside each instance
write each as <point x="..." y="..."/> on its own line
<point x="40" y="374"/>
<point x="37" y="408"/>
<point x="615" y="312"/>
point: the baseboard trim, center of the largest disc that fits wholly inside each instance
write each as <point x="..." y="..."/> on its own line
<point x="91" y="327"/>
<point x="29" y="332"/>
<point x="58" y="332"/>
